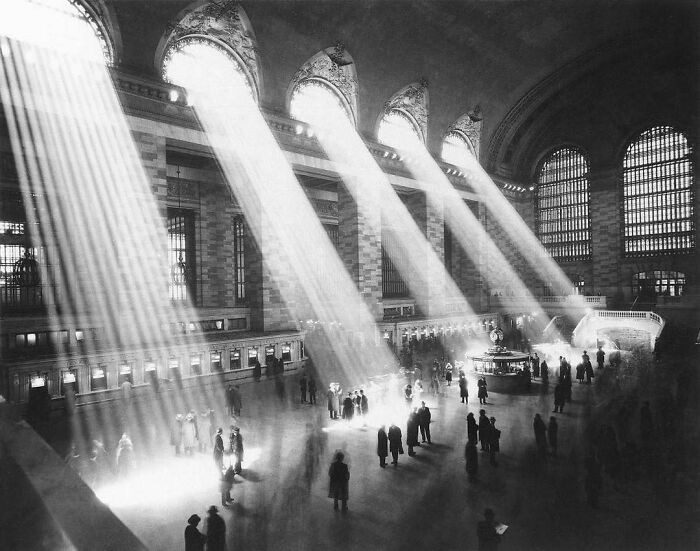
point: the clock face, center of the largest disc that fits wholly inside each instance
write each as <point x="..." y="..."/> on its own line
<point x="496" y="335"/>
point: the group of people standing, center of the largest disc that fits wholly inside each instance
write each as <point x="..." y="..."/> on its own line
<point x="484" y="432"/>
<point x="186" y="435"/>
<point x="354" y="405"/>
<point x="235" y="451"/>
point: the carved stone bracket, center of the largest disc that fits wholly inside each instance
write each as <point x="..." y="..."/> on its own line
<point x="412" y="100"/>
<point x="227" y="23"/>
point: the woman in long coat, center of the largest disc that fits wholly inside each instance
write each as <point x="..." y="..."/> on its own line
<point x="382" y="446"/>
<point x="412" y="432"/>
<point x="339" y="476"/>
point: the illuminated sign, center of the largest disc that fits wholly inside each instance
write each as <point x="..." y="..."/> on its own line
<point x="149" y="365"/>
<point x="68" y="377"/>
<point x="125" y="369"/>
<point x="37" y="381"/>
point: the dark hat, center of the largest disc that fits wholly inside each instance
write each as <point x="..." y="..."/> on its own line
<point x="219" y="430"/>
<point x="212" y="509"/>
<point x="194" y="519"/>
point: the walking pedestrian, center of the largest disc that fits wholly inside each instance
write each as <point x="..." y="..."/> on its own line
<point x="484" y="429"/>
<point x="424" y="419"/>
<point x="494" y="442"/>
<point x="395" y="443"/>
<point x="226" y="483"/>
<point x="463" y="393"/>
<point x="483" y="394"/>
<point x="219" y="450"/>
<point x="600" y="357"/>
<point x="472" y="427"/>
<point x="236" y="448"/>
<point x="216" y="530"/>
<point x="559" y="398"/>
<point x="339" y="476"/>
<point x="382" y="446"/>
<point x="412" y="431"/>
<point x="194" y="539"/>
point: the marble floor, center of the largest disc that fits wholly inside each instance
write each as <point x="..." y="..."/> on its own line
<point x="426" y="503"/>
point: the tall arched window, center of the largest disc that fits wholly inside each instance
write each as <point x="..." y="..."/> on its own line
<point x="97" y="27"/>
<point x="456" y="149"/>
<point x="315" y="101"/>
<point x="397" y="129"/>
<point x="562" y="195"/>
<point x="182" y="57"/>
<point x="658" y="194"/>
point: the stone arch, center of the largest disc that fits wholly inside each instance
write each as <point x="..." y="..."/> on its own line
<point x="102" y="19"/>
<point x="334" y="67"/>
<point x="224" y="23"/>
<point x="411" y="101"/>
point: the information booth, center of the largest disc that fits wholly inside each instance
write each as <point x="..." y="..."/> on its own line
<point x="504" y="370"/>
<point x="98" y="377"/>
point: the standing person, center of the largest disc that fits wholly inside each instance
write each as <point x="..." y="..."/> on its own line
<point x="580" y="370"/>
<point x="463" y="393"/>
<point x="494" y="442"/>
<point x="448" y="374"/>
<point x="382" y="446"/>
<point x="484" y="429"/>
<point x="424" y="419"/>
<point x="339" y="475"/>
<point x="395" y="444"/>
<point x="189" y="433"/>
<point x="226" y="484"/>
<point x="219" y="449"/>
<point x="125" y="455"/>
<point x="486" y="532"/>
<point x="472" y="427"/>
<point x="216" y="530"/>
<point x="194" y="539"/>
<point x="357" y="403"/>
<point x="408" y="395"/>
<point x="472" y="459"/>
<point x="330" y="397"/>
<point x="559" y="398"/>
<point x="312" y="390"/>
<point x="412" y="431"/>
<point x="552" y="431"/>
<point x="589" y="372"/>
<point x="540" y="435"/>
<point x="483" y="394"/>
<point x="302" y="388"/>
<point x="348" y="407"/>
<point x="229" y="399"/>
<point x="535" y="365"/>
<point x="237" y="400"/>
<point x="600" y="357"/>
<point x="236" y="443"/>
<point x="364" y="403"/>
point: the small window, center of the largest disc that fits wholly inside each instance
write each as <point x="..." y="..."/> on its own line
<point x="457" y="149"/>
<point x="31" y="339"/>
<point x="125" y="373"/>
<point x="98" y="377"/>
<point x="79" y="335"/>
<point x="195" y="364"/>
<point x="235" y="359"/>
<point x="215" y="362"/>
<point x="287" y="352"/>
<point x="252" y="356"/>
<point x="397" y="129"/>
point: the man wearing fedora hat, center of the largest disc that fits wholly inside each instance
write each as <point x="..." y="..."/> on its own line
<point x="194" y="539"/>
<point x="219" y="449"/>
<point x="216" y="530"/>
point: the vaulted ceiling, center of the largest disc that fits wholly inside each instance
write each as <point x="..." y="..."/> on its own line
<point x="538" y="68"/>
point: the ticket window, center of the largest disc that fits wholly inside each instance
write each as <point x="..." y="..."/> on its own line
<point x="174" y="370"/>
<point x="69" y="381"/>
<point x="215" y="362"/>
<point x="195" y="364"/>
<point x="38" y="386"/>
<point x="269" y="354"/>
<point x="235" y="359"/>
<point x="125" y="373"/>
<point x="252" y="356"/>
<point x="150" y="371"/>
<point x="98" y="377"/>
<point x="287" y="352"/>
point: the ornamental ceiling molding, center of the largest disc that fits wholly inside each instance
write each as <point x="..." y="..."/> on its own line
<point x="536" y="98"/>
<point x="412" y="100"/>
<point x="104" y="23"/>
<point x="469" y="125"/>
<point x="335" y="66"/>
<point x="223" y="22"/>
